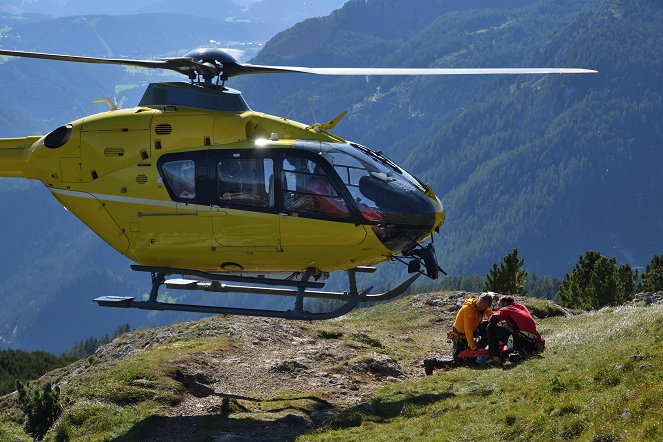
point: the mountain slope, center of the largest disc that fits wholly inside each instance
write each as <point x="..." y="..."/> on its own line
<point x="359" y="378"/>
<point x="550" y="165"/>
<point x="569" y="161"/>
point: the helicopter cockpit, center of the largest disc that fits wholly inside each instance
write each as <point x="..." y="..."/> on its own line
<point x="341" y="182"/>
<point x="382" y="193"/>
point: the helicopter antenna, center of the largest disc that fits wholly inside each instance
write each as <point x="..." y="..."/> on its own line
<point x="310" y="102"/>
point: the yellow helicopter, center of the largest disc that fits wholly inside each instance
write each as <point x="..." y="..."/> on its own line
<point x="193" y="182"/>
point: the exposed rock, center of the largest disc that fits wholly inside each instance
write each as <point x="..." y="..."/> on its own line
<point x="320" y="416"/>
<point x="647" y="298"/>
<point x="379" y="365"/>
<point x="288" y="366"/>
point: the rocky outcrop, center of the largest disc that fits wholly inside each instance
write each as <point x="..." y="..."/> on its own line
<point x="647" y="298"/>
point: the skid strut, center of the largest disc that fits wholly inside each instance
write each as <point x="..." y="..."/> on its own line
<point x="299" y="289"/>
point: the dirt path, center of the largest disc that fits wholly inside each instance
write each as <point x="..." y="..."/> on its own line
<point x="276" y="374"/>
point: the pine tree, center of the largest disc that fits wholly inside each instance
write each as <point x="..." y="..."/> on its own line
<point x="652" y="278"/>
<point x="508" y="278"/>
<point x="596" y="282"/>
<point x="628" y="281"/>
<point x="41" y="407"/>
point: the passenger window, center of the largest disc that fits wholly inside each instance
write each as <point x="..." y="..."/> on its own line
<point x="246" y="181"/>
<point x="308" y="189"/>
<point x="181" y="177"/>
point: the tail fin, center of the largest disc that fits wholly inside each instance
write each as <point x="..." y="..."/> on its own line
<point x="14" y="154"/>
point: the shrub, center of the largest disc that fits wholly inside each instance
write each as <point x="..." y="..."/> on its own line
<point x="41" y="407"/>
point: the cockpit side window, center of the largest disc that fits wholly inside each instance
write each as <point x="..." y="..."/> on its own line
<point x="246" y="181"/>
<point x="308" y="189"/>
<point x="181" y="178"/>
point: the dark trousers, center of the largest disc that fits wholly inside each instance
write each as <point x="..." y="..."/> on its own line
<point x="497" y="333"/>
<point x="480" y="333"/>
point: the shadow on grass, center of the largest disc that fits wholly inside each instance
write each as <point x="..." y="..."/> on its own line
<point x="215" y="426"/>
<point x="382" y="410"/>
<point x="220" y="421"/>
<point x="389" y="409"/>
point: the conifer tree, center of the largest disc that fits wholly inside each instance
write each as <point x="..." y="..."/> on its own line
<point x="595" y="282"/>
<point x="41" y="407"/>
<point x="628" y="281"/>
<point x="508" y="278"/>
<point x="652" y="278"/>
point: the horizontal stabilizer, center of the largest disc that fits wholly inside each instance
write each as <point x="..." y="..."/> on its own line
<point x="14" y="154"/>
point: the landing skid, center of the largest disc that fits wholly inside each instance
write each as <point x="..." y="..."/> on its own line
<point x="298" y="289"/>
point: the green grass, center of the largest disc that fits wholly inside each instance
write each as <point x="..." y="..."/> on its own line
<point x="11" y="431"/>
<point x="105" y="403"/>
<point x="599" y="380"/>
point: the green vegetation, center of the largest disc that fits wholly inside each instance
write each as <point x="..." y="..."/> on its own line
<point x="596" y="282"/>
<point x="91" y="344"/>
<point x="508" y="278"/>
<point x="652" y="278"/>
<point x="599" y="379"/>
<point x="545" y="286"/>
<point x="108" y="403"/>
<point x="25" y="366"/>
<point x="41" y="407"/>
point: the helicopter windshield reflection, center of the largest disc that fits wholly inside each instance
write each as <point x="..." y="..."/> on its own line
<point x="181" y="176"/>
<point x="307" y="188"/>
<point x="246" y="181"/>
<point x="381" y="190"/>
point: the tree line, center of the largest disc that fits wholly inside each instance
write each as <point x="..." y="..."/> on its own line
<point x="596" y="281"/>
<point x="24" y="366"/>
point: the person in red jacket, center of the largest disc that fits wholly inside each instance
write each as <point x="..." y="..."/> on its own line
<point x="519" y="323"/>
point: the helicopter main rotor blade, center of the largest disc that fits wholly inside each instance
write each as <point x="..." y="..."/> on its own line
<point x="181" y="65"/>
<point x="210" y="62"/>
<point x="241" y="69"/>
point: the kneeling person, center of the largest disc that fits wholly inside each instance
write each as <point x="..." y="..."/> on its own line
<point x="519" y="323"/>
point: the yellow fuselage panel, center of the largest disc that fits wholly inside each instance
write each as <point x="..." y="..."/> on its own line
<point x="159" y="233"/>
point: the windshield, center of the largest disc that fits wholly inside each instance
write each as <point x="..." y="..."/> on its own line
<point x="382" y="191"/>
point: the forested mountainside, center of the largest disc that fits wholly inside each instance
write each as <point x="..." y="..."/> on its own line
<point x="551" y="165"/>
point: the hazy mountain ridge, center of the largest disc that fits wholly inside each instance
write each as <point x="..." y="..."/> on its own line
<point x="268" y="14"/>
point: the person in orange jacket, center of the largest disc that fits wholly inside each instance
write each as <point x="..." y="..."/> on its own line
<point x="468" y="323"/>
<point x="467" y="326"/>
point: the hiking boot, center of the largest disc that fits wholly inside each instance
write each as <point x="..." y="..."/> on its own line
<point x="429" y="365"/>
<point x="482" y="360"/>
<point x="515" y="357"/>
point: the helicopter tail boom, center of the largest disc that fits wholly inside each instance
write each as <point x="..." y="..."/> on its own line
<point x="14" y="154"/>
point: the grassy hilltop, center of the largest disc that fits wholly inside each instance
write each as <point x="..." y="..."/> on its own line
<point x="359" y="378"/>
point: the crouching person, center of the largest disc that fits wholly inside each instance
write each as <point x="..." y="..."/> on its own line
<point x="467" y="326"/>
<point x="519" y="326"/>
